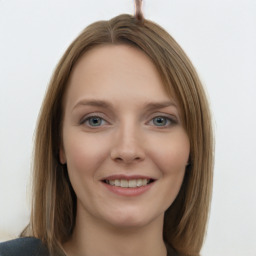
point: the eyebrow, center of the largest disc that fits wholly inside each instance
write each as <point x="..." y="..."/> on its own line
<point x="159" y="105"/>
<point x="105" y="104"/>
<point x="94" y="103"/>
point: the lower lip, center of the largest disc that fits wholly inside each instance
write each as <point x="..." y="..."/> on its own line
<point x="128" y="191"/>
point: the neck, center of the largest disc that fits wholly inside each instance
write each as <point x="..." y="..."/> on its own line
<point x="94" y="238"/>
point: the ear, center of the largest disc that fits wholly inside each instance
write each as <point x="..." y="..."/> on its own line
<point x="62" y="155"/>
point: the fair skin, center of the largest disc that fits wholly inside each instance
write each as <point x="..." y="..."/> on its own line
<point x="126" y="152"/>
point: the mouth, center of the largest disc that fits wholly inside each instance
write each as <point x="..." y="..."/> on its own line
<point x="128" y="183"/>
<point x="128" y="186"/>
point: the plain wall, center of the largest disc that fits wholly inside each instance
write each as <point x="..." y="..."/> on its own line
<point x="219" y="36"/>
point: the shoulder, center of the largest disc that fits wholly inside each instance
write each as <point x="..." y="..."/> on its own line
<point x="27" y="246"/>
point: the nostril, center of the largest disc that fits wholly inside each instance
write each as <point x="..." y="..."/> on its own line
<point x="127" y="154"/>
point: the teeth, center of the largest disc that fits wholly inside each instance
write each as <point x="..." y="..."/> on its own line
<point x="117" y="183"/>
<point x="111" y="182"/>
<point x="144" y="182"/>
<point x="128" y="183"/>
<point x="124" y="183"/>
<point x="132" y="184"/>
<point x="139" y="182"/>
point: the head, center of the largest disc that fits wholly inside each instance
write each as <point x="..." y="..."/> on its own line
<point x="54" y="201"/>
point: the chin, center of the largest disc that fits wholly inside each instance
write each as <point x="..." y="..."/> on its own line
<point x="132" y="219"/>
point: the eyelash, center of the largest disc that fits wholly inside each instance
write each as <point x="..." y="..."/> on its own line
<point x="170" y="121"/>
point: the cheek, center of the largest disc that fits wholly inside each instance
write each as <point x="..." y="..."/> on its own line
<point x="171" y="153"/>
<point x="84" y="153"/>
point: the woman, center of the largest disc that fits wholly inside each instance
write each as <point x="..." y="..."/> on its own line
<point x="123" y="150"/>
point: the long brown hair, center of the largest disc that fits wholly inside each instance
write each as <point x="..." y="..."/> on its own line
<point x="54" y="201"/>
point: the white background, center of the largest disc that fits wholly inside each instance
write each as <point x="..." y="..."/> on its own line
<point x="220" y="38"/>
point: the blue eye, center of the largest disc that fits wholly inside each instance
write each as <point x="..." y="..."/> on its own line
<point x="94" y="121"/>
<point x="162" y="121"/>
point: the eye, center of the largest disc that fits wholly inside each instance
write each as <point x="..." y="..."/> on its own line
<point x="162" y="121"/>
<point x="94" y="121"/>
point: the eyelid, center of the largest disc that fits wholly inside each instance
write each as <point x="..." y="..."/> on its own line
<point x="167" y="115"/>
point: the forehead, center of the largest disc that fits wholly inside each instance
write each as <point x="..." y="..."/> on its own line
<point x="115" y="71"/>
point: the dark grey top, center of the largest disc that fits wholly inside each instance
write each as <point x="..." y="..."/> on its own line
<point x="27" y="246"/>
<point x="30" y="246"/>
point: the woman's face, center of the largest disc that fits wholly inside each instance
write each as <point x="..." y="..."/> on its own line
<point x="123" y="142"/>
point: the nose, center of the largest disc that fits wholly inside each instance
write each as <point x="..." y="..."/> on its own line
<point x="128" y="146"/>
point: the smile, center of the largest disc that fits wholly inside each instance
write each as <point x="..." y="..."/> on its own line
<point x="131" y="183"/>
<point x="130" y="186"/>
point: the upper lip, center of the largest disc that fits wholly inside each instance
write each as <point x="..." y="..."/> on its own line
<point x="126" y="177"/>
